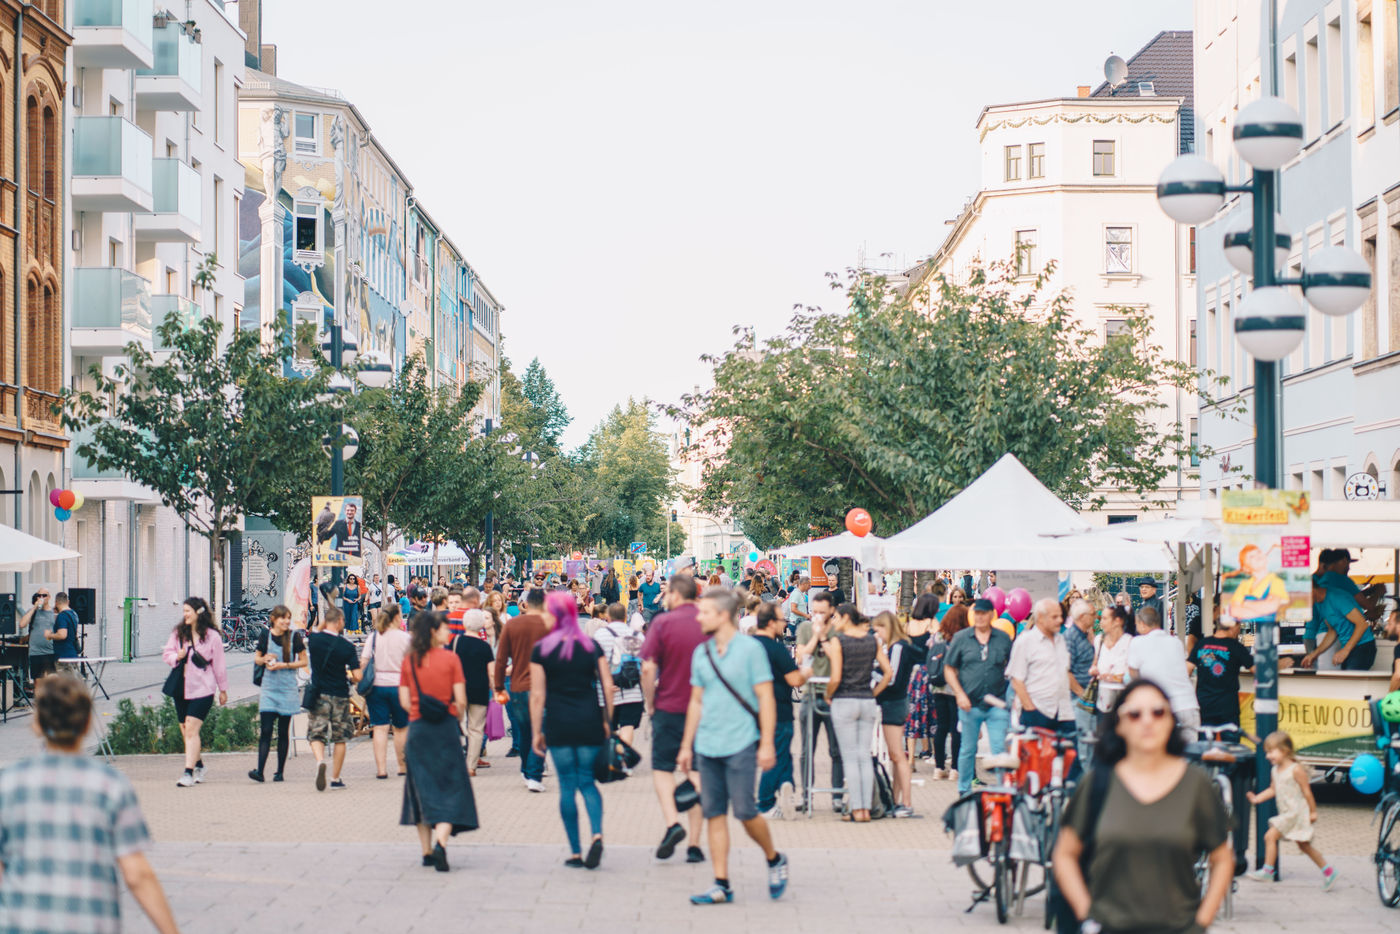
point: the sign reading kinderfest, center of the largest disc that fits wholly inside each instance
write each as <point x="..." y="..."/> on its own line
<point x="1265" y="559"/>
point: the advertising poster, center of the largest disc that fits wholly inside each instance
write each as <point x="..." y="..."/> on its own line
<point x="336" y="530"/>
<point x="825" y="572"/>
<point x="623" y="569"/>
<point x="1265" y="566"/>
<point x="574" y="569"/>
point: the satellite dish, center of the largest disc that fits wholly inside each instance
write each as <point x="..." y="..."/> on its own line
<point x="1115" y="70"/>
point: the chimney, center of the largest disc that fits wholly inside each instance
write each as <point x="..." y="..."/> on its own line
<point x="250" y="21"/>
<point x="269" y="59"/>
<point x="1084" y="90"/>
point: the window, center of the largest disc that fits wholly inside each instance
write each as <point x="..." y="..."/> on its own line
<point x="1103" y="157"/>
<point x="218" y="102"/>
<point x="1116" y="327"/>
<point x="308" y="227"/>
<point x="1370" y="320"/>
<point x="1025" y="253"/>
<point x="1013" y="163"/>
<point x="1334" y="73"/>
<point x="1191" y="346"/>
<point x="1195" y="442"/>
<point x="1393" y="284"/>
<point x="1312" y="93"/>
<point x="304" y="131"/>
<point x="1365" y="73"/>
<point x="1390" y="72"/>
<point x="1118" y="250"/>
<point x="216" y="220"/>
<point x="1036" y="153"/>
<point x="1191" y="251"/>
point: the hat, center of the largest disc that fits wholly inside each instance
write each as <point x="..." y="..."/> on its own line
<point x="686" y="796"/>
<point x="1147" y="582"/>
<point x="1337" y="555"/>
<point x="982" y="603"/>
<point x="416" y="592"/>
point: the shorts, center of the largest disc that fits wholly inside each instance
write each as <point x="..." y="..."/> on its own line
<point x="667" y="731"/>
<point x="384" y="708"/>
<point x="330" y="722"/>
<point x="628" y="714"/>
<point x="894" y="712"/>
<point x="729" y="781"/>
<point x="197" y="707"/>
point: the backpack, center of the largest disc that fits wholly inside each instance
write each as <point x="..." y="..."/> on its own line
<point x="934" y="665"/>
<point x="627" y="672"/>
<point x="882" y="803"/>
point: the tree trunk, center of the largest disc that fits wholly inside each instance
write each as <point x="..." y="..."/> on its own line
<point x="216" y="561"/>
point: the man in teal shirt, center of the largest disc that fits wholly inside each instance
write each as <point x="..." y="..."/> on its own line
<point x="650" y="594"/>
<point x="729" y="736"/>
<point x="1347" y="627"/>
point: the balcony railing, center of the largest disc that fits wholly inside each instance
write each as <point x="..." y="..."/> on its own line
<point x="83" y="469"/>
<point x="113" y="33"/>
<point x="111" y="165"/>
<point x="186" y="311"/>
<point x="174" y="81"/>
<point x="111" y="307"/>
<point x="176" y="204"/>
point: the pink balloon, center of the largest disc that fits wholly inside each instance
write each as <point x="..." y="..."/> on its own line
<point x="998" y="598"/>
<point x="1019" y="603"/>
<point x="53" y="498"/>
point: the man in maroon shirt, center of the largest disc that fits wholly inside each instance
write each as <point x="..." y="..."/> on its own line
<point x="517" y="641"/>
<point x="666" y="654"/>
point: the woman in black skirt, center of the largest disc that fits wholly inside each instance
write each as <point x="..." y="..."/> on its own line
<point x="437" y="794"/>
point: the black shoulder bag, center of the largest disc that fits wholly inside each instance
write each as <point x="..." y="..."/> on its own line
<point x="174" y="686"/>
<point x="1098" y="778"/>
<point x="312" y="692"/>
<point x="429" y="707"/>
<point x="264" y="640"/>
<point x="709" y="653"/>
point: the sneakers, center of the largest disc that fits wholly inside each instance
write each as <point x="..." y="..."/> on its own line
<point x="778" y="877"/>
<point x="693" y="854"/>
<point x="902" y="811"/>
<point x="199" y="773"/>
<point x="439" y="858"/>
<point x="321" y="776"/>
<point x="337" y="784"/>
<point x="787" y="798"/>
<point x="714" y="895"/>
<point x="674" y="835"/>
<point x="186" y="780"/>
<point x="595" y="854"/>
<point x="1329" y="878"/>
<point x="276" y="776"/>
<point x="1263" y="874"/>
<point x="256" y="776"/>
<point x="534" y="785"/>
<point x="773" y="813"/>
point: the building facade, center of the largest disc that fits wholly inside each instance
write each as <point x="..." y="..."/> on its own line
<point x="33" y="148"/>
<point x="153" y="200"/>
<point x="1073" y="181"/>
<point x="1337" y="65"/>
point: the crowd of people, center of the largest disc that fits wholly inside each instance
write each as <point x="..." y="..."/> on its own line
<point x="731" y="676"/>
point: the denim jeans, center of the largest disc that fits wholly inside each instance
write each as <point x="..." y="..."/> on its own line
<point x="854" y="719"/>
<point x="970" y="722"/>
<point x="531" y="765"/>
<point x="772" y="780"/>
<point x="808" y="709"/>
<point x="574" y="768"/>
<point x="1087" y="723"/>
<point x="352" y="616"/>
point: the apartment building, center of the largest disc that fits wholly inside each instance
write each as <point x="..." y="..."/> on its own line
<point x="1337" y="65"/>
<point x="154" y="187"/>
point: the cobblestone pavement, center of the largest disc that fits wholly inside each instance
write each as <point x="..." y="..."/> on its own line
<point x="238" y="856"/>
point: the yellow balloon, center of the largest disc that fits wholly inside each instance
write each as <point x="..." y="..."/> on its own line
<point x="77" y="500"/>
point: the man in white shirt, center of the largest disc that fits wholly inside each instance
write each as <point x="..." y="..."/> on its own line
<point x="1157" y="656"/>
<point x="797" y="603"/>
<point x="724" y="579"/>
<point x="1039" y="671"/>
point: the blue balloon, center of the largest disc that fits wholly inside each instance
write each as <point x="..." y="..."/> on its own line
<point x="62" y="515"/>
<point x="1367" y="775"/>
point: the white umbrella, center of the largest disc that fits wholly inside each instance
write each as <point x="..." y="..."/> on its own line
<point x="19" y="552"/>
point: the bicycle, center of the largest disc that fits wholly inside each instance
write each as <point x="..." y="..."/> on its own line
<point x="997" y="805"/>
<point x="1047" y="758"/>
<point x="1218" y="758"/>
<point x="1387" y="855"/>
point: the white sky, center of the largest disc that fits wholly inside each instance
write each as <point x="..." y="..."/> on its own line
<point x="633" y="178"/>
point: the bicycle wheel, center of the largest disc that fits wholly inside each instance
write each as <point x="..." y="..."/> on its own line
<point x="1002" y="880"/>
<point x="1388" y="856"/>
<point x="1051" y="892"/>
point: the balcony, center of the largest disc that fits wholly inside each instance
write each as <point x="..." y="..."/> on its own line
<point x="173" y="82"/>
<point x="176" y="202"/>
<point x="162" y="306"/>
<point x="113" y="33"/>
<point x="94" y="483"/>
<point x="111" y="166"/>
<point x="111" y="308"/>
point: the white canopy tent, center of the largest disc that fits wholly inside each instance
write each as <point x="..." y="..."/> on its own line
<point x="1007" y="520"/>
<point x="865" y="550"/>
<point x="1339" y="523"/>
<point x="19" y="552"/>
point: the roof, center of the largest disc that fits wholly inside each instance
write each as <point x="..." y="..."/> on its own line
<point x="1166" y="61"/>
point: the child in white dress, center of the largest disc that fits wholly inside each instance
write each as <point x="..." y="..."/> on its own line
<point x="1297" y="810"/>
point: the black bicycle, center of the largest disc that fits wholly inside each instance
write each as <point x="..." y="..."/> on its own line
<point x="1388" y="843"/>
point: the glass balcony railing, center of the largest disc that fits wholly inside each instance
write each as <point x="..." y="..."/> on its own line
<point x="176" y="56"/>
<point x="132" y="15"/>
<point x="162" y="306"/>
<point x="112" y="298"/>
<point x="176" y="188"/>
<point x="111" y="147"/>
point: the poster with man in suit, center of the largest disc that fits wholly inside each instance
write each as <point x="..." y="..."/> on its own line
<point x="337" y="531"/>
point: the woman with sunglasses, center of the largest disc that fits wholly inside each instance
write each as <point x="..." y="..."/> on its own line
<point x="1156" y="814"/>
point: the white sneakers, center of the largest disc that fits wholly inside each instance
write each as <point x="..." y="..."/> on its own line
<point x="787" y="801"/>
<point x="533" y="785"/>
<point x="199" y="772"/>
<point x="186" y="780"/>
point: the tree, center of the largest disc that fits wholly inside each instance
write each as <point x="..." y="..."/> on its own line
<point x="629" y="460"/>
<point x="544" y="416"/>
<point x="214" y="432"/>
<point x="900" y="401"/>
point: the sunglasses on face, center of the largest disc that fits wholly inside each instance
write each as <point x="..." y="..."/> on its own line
<point x="1156" y="713"/>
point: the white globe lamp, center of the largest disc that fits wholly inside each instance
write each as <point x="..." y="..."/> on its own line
<point x="1268" y="133"/>
<point x="1269" y="323"/>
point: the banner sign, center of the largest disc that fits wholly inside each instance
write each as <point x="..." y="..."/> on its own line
<point x="336" y="530"/>
<point x="1266" y="574"/>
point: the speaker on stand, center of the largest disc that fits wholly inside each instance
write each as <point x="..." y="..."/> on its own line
<point x="8" y="623"/>
<point x="83" y="601"/>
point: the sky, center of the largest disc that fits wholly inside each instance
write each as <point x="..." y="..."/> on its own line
<point x="633" y="180"/>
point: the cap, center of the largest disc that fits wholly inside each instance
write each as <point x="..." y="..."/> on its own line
<point x="1147" y="582"/>
<point x="1339" y="554"/>
<point x="416" y="592"/>
<point x="686" y="796"/>
<point x="982" y="603"/>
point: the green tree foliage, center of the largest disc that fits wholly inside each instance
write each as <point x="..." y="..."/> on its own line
<point x="215" y="432"/>
<point x="900" y="401"/>
<point x="543" y="416"/>
<point x="631" y="468"/>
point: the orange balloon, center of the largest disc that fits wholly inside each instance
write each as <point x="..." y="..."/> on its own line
<point x="859" y="523"/>
<point x="66" y="498"/>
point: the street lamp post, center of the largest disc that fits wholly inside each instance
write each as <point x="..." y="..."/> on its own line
<point x="1269" y="323"/>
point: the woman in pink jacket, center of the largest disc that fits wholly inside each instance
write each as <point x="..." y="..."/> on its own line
<point x="197" y="644"/>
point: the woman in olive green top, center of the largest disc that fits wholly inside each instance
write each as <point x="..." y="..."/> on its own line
<point x="1159" y="814"/>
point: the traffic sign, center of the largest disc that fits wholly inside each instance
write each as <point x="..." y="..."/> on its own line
<point x="638" y="548"/>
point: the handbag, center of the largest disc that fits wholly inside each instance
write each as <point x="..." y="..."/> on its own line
<point x="264" y="639"/>
<point x="1089" y="700"/>
<point x="429" y="707"/>
<point x="174" y="687"/>
<point x="366" y="685"/>
<point x="615" y="761"/>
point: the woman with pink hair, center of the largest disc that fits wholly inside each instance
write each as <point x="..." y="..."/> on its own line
<point x="565" y="666"/>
